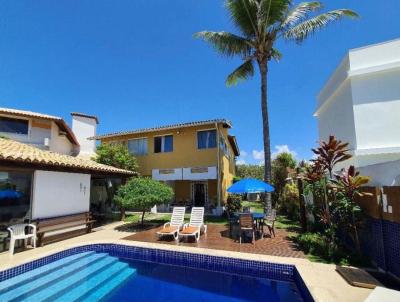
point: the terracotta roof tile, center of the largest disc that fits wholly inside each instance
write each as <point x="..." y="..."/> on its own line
<point x="167" y="127"/>
<point x="58" y="120"/>
<point x="11" y="150"/>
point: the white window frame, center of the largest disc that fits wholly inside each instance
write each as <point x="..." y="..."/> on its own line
<point x="137" y="138"/>
<point x="163" y="143"/>
<point x="26" y="136"/>
<point x="202" y="130"/>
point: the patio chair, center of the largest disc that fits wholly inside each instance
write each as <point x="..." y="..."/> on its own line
<point x="269" y="222"/>
<point x="246" y="224"/>
<point x="17" y="232"/>
<point x="172" y="228"/>
<point x="196" y="224"/>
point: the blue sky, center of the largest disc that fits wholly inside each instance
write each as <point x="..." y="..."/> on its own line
<point x="135" y="64"/>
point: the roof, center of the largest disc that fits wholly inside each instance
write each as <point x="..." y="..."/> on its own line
<point x="17" y="152"/>
<point x="233" y="142"/>
<point x="225" y="122"/>
<point x="58" y="120"/>
<point x="86" y="115"/>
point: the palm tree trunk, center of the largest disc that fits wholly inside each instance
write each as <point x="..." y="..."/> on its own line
<point x="265" y="120"/>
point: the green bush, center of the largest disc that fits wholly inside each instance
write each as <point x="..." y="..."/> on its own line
<point x="142" y="194"/>
<point x="233" y="203"/>
<point x="289" y="204"/>
<point x="116" y="155"/>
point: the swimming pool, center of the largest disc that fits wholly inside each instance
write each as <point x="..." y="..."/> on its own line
<point x="112" y="272"/>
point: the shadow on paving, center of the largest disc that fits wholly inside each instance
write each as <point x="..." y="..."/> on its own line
<point x="217" y="237"/>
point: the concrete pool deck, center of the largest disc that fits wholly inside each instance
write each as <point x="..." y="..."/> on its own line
<point x="323" y="282"/>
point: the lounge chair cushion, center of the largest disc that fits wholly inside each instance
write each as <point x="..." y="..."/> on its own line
<point x="168" y="230"/>
<point x="190" y="230"/>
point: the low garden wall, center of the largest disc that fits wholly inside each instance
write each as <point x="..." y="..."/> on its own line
<point x="380" y="239"/>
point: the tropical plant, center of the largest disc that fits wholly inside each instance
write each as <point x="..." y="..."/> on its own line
<point x="331" y="153"/>
<point x="347" y="212"/>
<point x="281" y="166"/>
<point x="260" y="23"/>
<point x="250" y="171"/>
<point x="142" y="194"/>
<point x="290" y="201"/>
<point x="116" y="155"/>
<point x="233" y="204"/>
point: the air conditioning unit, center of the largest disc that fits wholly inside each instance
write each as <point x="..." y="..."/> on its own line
<point x="47" y="142"/>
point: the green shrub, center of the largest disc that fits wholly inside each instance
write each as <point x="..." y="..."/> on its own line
<point x="233" y="203"/>
<point x="289" y="204"/>
<point x="143" y="193"/>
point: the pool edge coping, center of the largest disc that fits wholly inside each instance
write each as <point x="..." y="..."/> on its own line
<point x="301" y="283"/>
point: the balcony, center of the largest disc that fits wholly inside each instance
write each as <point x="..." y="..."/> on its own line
<point x="192" y="173"/>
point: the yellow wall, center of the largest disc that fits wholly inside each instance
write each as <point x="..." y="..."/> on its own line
<point x="183" y="191"/>
<point x="227" y="166"/>
<point x="185" y="152"/>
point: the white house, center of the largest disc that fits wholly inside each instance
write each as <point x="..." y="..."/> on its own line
<point x="46" y="170"/>
<point x="360" y="104"/>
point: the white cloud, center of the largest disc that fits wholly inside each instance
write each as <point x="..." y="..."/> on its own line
<point x="258" y="155"/>
<point x="243" y="153"/>
<point x="282" y="149"/>
<point x="240" y="161"/>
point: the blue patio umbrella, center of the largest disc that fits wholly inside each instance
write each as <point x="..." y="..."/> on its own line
<point x="250" y="185"/>
<point x="12" y="194"/>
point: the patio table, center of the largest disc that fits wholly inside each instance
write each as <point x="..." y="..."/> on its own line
<point x="258" y="217"/>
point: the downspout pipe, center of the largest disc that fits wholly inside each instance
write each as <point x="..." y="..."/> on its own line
<point x="218" y="170"/>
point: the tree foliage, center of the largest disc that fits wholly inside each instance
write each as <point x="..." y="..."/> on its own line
<point x="250" y="171"/>
<point x="142" y="194"/>
<point x="116" y="155"/>
<point x="331" y="153"/>
<point x="259" y="25"/>
<point x="280" y="169"/>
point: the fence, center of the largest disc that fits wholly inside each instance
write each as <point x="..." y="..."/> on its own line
<point x="380" y="239"/>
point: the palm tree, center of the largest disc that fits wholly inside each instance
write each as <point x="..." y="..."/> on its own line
<point x="260" y="24"/>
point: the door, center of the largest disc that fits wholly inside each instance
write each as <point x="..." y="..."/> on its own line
<point x="199" y="194"/>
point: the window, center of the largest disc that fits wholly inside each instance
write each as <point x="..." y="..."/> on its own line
<point x="137" y="146"/>
<point x="206" y="139"/>
<point x="223" y="147"/>
<point x="11" y="125"/>
<point x="163" y="144"/>
<point x="15" y="193"/>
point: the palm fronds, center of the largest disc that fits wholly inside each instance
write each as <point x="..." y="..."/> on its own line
<point x="226" y="43"/>
<point x="300" y="13"/>
<point x="310" y="26"/>
<point x="243" y="72"/>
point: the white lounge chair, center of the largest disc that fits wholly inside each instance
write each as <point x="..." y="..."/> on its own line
<point x="196" y="224"/>
<point x="17" y="232"/>
<point x="172" y="228"/>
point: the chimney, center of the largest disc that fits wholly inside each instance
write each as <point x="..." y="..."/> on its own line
<point x="84" y="126"/>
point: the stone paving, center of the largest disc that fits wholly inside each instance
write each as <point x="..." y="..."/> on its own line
<point x="217" y="237"/>
<point x="324" y="283"/>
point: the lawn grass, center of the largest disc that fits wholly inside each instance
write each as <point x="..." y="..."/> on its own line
<point x="255" y="206"/>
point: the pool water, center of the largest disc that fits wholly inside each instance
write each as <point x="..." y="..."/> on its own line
<point x="160" y="283"/>
<point x="91" y="276"/>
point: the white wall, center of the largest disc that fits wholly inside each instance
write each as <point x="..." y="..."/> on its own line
<point x="385" y="174"/>
<point x="376" y="99"/>
<point x="59" y="193"/>
<point x="337" y="117"/>
<point x="375" y="55"/>
<point x="84" y="127"/>
<point x="59" y="143"/>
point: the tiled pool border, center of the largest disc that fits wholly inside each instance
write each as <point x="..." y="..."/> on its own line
<point x="253" y="268"/>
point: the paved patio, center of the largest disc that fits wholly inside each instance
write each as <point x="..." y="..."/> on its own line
<point x="324" y="283"/>
<point x="217" y="237"/>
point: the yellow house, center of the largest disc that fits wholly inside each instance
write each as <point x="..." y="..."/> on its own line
<point x="196" y="159"/>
